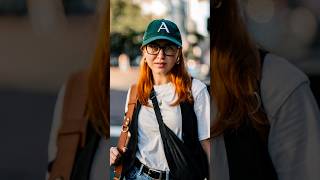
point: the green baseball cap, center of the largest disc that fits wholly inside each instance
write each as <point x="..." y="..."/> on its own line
<point x="162" y="29"/>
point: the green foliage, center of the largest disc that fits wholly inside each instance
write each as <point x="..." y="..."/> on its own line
<point x="127" y="17"/>
<point x="127" y="27"/>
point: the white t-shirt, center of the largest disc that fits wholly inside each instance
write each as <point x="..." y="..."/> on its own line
<point x="150" y="148"/>
<point x="294" y="137"/>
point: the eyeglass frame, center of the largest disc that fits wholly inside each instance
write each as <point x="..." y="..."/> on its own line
<point x="163" y="48"/>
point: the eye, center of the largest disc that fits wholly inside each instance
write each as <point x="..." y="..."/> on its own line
<point x="154" y="46"/>
<point x="171" y="50"/>
<point x="152" y="49"/>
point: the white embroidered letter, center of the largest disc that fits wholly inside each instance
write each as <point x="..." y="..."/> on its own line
<point x="163" y="26"/>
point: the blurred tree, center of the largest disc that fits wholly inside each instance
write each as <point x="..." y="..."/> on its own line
<point x="126" y="16"/>
<point x="127" y="27"/>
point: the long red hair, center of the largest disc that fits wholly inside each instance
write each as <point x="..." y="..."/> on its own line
<point x="178" y="76"/>
<point x="235" y="71"/>
<point x="97" y="107"/>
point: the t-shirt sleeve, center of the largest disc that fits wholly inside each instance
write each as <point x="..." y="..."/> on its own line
<point x="201" y="108"/>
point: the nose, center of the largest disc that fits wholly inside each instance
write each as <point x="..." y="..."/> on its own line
<point x="161" y="54"/>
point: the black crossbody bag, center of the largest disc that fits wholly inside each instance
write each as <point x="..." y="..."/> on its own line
<point x="185" y="162"/>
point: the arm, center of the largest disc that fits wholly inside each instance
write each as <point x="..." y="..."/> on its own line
<point x="206" y="147"/>
<point x="114" y="153"/>
<point x="294" y="139"/>
<point x="202" y="110"/>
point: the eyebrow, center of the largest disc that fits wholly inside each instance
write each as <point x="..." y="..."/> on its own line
<point x="165" y="44"/>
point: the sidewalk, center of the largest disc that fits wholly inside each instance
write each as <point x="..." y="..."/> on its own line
<point x="121" y="80"/>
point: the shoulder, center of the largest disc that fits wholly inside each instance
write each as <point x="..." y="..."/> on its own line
<point x="274" y="66"/>
<point x="133" y="87"/>
<point x="197" y="87"/>
<point x="279" y="79"/>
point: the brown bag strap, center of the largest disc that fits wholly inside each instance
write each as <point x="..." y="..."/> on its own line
<point x="72" y="132"/>
<point x="125" y="134"/>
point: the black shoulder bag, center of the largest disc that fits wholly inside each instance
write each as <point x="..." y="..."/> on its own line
<point x="185" y="162"/>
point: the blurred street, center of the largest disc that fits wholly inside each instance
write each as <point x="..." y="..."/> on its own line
<point x="120" y="82"/>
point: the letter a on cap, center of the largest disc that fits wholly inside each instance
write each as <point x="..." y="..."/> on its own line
<point x="163" y="26"/>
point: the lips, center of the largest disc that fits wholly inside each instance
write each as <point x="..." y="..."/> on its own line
<point x="160" y="64"/>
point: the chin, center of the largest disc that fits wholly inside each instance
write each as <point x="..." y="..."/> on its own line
<point x="161" y="72"/>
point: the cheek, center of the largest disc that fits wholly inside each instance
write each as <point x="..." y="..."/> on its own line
<point x="149" y="60"/>
<point x="172" y="62"/>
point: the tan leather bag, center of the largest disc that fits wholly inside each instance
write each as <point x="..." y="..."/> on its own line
<point x="72" y="132"/>
<point x="125" y="134"/>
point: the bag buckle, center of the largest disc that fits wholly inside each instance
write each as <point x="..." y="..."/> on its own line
<point x="125" y="125"/>
<point x="152" y="95"/>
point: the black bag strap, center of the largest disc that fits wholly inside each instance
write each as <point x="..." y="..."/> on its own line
<point x="162" y="128"/>
<point x="156" y="108"/>
<point x="85" y="155"/>
<point x="157" y="111"/>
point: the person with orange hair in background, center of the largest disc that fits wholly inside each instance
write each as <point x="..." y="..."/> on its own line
<point x="163" y="72"/>
<point x="266" y="122"/>
<point x="80" y="127"/>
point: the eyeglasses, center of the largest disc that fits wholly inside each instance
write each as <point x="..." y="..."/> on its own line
<point x="168" y="50"/>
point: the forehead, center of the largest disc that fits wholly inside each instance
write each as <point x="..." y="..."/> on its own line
<point x="162" y="42"/>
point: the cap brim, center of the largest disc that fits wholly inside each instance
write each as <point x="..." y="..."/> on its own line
<point x="161" y="38"/>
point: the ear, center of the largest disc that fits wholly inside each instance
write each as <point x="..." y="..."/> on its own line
<point x="143" y="49"/>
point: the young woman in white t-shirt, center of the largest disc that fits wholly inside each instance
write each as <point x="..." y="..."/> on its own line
<point x="162" y="67"/>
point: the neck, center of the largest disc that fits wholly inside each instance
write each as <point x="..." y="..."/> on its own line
<point x="159" y="79"/>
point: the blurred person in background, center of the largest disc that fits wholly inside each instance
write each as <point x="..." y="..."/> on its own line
<point x="80" y="127"/>
<point x="162" y="68"/>
<point x="266" y="122"/>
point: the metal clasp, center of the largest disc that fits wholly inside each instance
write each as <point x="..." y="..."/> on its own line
<point x="125" y="126"/>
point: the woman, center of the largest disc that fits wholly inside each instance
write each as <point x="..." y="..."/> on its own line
<point x="266" y="121"/>
<point x="162" y="68"/>
<point x="80" y="126"/>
